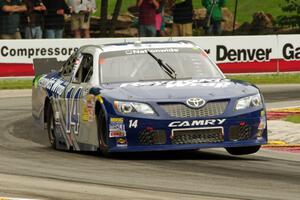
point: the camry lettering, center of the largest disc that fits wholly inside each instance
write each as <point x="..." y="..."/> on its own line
<point x="211" y="122"/>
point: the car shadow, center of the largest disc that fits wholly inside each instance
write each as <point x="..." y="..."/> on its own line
<point x="172" y="155"/>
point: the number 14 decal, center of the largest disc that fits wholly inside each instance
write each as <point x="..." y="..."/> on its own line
<point x="133" y="123"/>
<point x="72" y="112"/>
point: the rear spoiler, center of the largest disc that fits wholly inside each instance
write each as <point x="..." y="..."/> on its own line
<point x="46" y="65"/>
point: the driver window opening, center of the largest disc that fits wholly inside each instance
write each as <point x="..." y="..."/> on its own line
<point x="85" y="70"/>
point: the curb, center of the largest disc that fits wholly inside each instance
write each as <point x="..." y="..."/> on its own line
<point x="280" y="143"/>
<point x="286" y="109"/>
<point x="279" y="113"/>
<point x="8" y="198"/>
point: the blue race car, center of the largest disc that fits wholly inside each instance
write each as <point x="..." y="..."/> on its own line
<point x="151" y="96"/>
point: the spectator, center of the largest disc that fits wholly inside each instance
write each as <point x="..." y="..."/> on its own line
<point x="213" y="16"/>
<point x="80" y="17"/>
<point x="147" y="14"/>
<point x="160" y="24"/>
<point x="33" y="19"/>
<point x="10" y="18"/>
<point x="182" y="18"/>
<point x="54" y="18"/>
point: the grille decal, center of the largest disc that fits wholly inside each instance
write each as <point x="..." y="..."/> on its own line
<point x="180" y="110"/>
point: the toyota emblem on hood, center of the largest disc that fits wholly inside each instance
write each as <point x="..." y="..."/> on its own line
<point x="195" y="102"/>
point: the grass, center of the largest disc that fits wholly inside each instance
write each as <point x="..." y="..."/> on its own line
<point x="269" y="78"/>
<point x="15" y="84"/>
<point x="293" y="119"/>
<point x="255" y="79"/>
<point x="246" y="8"/>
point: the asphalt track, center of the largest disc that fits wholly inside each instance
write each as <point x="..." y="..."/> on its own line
<point x="29" y="168"/>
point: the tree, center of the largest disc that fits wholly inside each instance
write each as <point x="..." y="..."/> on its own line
<point x="292" y="17"/>
<point x="115" y="16"/>
<point x="103" y="16"/>
<point x="104" y="20"/>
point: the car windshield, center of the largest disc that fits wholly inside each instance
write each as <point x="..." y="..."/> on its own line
<point x="138" y="65"/>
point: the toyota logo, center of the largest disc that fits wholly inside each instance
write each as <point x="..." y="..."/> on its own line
<point x="195" y="102"/>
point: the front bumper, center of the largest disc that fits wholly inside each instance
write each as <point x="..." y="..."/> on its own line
<point x="158" y="135"/>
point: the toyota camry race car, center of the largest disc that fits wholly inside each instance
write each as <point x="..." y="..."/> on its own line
<point x="150" y="96"/>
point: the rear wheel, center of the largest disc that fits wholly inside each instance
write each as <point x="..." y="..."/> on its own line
<point x="243" y="150"/>
<point x="102" y="133"/>
<point x="51" y="127"/>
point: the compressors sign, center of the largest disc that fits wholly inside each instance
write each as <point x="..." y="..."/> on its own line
<point x="233" y="54"/>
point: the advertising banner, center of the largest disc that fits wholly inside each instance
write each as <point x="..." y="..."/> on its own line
<point x="289" y="56"/>
<point x="233" y="54"/>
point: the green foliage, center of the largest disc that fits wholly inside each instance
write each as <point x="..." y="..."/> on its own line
<point x="253" y="78"/>
<point x="292" y="16"/>
<point x="246" y="8"/>
<point x="15" y="84"/>
<point x="293" y="119"/>
<point x="268" y="78"/>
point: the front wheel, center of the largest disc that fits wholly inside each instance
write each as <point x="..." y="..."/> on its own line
<point x="51" y="127"/>
<point x="102" y="133"/>
<point x="242" y="150"/>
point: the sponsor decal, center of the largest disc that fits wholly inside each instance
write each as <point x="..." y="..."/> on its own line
<point x="117" y="133"/>
<point x="194" y="123"/>
<point x="116" y="120"/>
<point x="215" y="83"/>
<point x="122" y="142"/>
<point x="117" y="128"/>
<point x="90" y="102"/>
<point x="88" y="113"/>
<point x="145" y="51"/>
<point x="56" y="117"/>
<point x="36" y="81"/>
<point x="55" y="85"/>
<point x="85" y="115"/>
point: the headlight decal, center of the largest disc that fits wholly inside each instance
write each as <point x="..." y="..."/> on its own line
<point x="249" y="102"/>
<point x="133" y="107"/>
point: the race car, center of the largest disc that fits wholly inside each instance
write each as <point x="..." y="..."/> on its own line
<point x="147" y="96"/>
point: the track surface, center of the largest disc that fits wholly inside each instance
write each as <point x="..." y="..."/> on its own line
<point x="30" y="168"/>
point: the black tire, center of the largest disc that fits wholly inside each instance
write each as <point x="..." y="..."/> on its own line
<point x="242" y="150"/>
<point x="51" y="127"/>
<point x="102" y="134"/>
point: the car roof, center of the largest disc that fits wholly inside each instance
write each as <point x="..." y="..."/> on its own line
<point x="147" y="45"/>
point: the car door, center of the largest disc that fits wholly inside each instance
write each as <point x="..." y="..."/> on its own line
<point x="75" y="96"/>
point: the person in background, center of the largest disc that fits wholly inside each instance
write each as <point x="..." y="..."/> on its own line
<point x="182" y="18"/>
<point x="33" y="19"/>
<point x="80" y="17"/>
<point x="54" y="18"/>
<point x="10" y="18"/>
<point x="159" y="18"/>
<point x="213" y="16"/>
<point x="147" y="15"/>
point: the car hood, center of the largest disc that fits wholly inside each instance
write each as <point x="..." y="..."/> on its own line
<point x="179" y="89"/>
